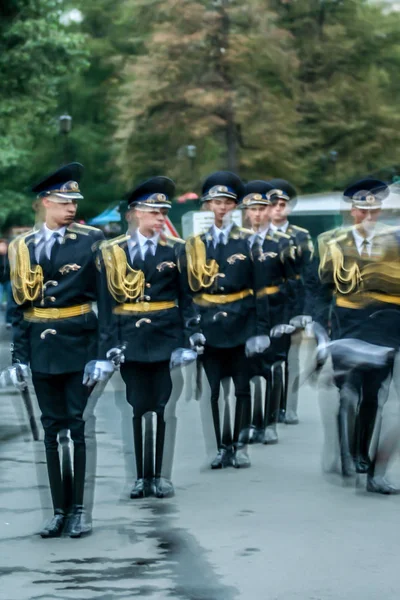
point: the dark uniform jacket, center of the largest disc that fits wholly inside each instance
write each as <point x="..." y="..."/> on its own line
<point x="56" y="345"/>
<point x="360" y="298"/>
<point x="275" y="265"/>
<point x="305" y="267"/>
<point x="150" y="334"/>
<point x="227" y="322"/>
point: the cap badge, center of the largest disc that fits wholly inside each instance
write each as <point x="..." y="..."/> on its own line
<point x="217" y="189"/>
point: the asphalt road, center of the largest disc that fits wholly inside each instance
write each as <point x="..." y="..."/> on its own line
<point x="277" y="531"/>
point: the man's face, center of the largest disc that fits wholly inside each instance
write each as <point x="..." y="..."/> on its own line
<point x="151" y="221"/>
<point x="60" y="213"/>
<point x="279" y="211"/>
<point x="3" y="248"/>
<point x="221" y="207"/>
<point x="258" y="216"/>
<point x="365" y="218"/>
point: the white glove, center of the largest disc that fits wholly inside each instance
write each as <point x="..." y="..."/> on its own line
<point x="323" y="342"/>
<point x="181" y="357"/>
<point x="257" y="345"/>
<point x="97" y="370"/>
<point x="197" y="342"/>
<point x="279" y="330"/>
<point x="116" y="355"/>
<point x="301" y="321"/>
<point x="16" y="376"/>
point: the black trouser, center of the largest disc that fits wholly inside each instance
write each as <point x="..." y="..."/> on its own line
<point x="365" y="384"/>
<point x="62" y="400"/>
<point x="148" y="388"/>
<point x="220" y="363"/>
<point x="270" y="367"/>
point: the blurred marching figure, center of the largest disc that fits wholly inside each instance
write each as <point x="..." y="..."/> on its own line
<point x="152" y="314"/>
<point x="234" y="320"/>
<point x="54" y="282"/>
<point x="360" y="297"/>
<point x="283" y="199"/>
<point x="274" y="261"/>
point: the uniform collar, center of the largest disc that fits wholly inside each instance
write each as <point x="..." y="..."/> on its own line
<point x="283" y="227"/>
<point x="138" y="239"/>
<point x="262" y="233"/>
<point x="44" y="233"/>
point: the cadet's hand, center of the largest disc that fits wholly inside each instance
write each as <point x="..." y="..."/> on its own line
<point x="279" y="330"/>
<point x="181" y="357"/>
<point x="116" y="355"/>
<point x="301" y="321"/>
<point x="197" y="342"/>
<point x="323" y="342"/>
<point x="97" y="370"/>
<point x="257" y="345"/>
<point x="17" y="375"/>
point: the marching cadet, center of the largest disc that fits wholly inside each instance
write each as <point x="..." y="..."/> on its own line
<point x="151" y="312"/>
<point x="53" y="278"/>
<point x="283" y="200"/>
<point x="360" y="296"/>
<point x="234" y="321"/>
<point x="274" y="260"/>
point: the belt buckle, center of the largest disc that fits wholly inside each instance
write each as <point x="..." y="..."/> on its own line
<point x="146" y="306"/>
<point x="55" y="313"/>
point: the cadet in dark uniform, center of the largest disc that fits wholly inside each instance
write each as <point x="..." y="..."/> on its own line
<point x="274" y="256"/>
<point x="360" y="296"/>
<point x="53" y="277"/>
<point x="151" y="313"/>
<point x="234" y="321"/>
<point x="283" y="200"/>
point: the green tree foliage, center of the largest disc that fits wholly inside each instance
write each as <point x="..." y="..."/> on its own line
<point x="36" y="53"/>
<point x="349" y="54"/>
<point x="219" y="75"/>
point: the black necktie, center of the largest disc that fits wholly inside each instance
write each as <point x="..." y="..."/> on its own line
<point x="219" y="248"/>
<point x="364" y="250"/>
<point x="149" y="249"/>
<point x="55" y="247"/>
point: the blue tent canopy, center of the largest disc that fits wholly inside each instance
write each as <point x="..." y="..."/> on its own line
<point x="110" y="215"/>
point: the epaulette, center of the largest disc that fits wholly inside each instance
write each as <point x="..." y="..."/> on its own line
<point x="118" y="240"/>
<point x="245" y="230"/>
<point x="337" y="238"/>
<point x="170" y="240"/>
<point x="280" y="235"/>
<point x="24" y="235"/>
<point x="297" y="228"/>
<point x="82" y="229"/>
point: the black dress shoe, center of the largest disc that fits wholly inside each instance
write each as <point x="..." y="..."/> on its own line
<point x="241" y="459"/>
<point x="163" y="488"/>
<point x="380" y="485"/>
<point x="223" y="459"/>
<point x="77" y="523"/>
<point x="54" y="527"/>
<point x="348" y="467"/>
<point x="363" y="464"/>
<point x="282" y="416"/>
<point x="138" y="489"/>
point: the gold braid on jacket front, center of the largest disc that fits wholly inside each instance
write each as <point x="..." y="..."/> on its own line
<point x="346" y="280"/>
<point x="27" y="282"/>
<point x="124" y="283"/>
<point x="201" y="273"/>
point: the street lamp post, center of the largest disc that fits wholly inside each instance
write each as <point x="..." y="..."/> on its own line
<point x="191" y="152"/>
<point x="65" y="126"/>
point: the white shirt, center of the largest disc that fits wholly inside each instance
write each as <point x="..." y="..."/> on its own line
<point x="139" y="243"/>
<point x="359" y="240"/>
<point x="45" y="236"/>
<point x="216" y="232"/>
<point x="279" y="227"/>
